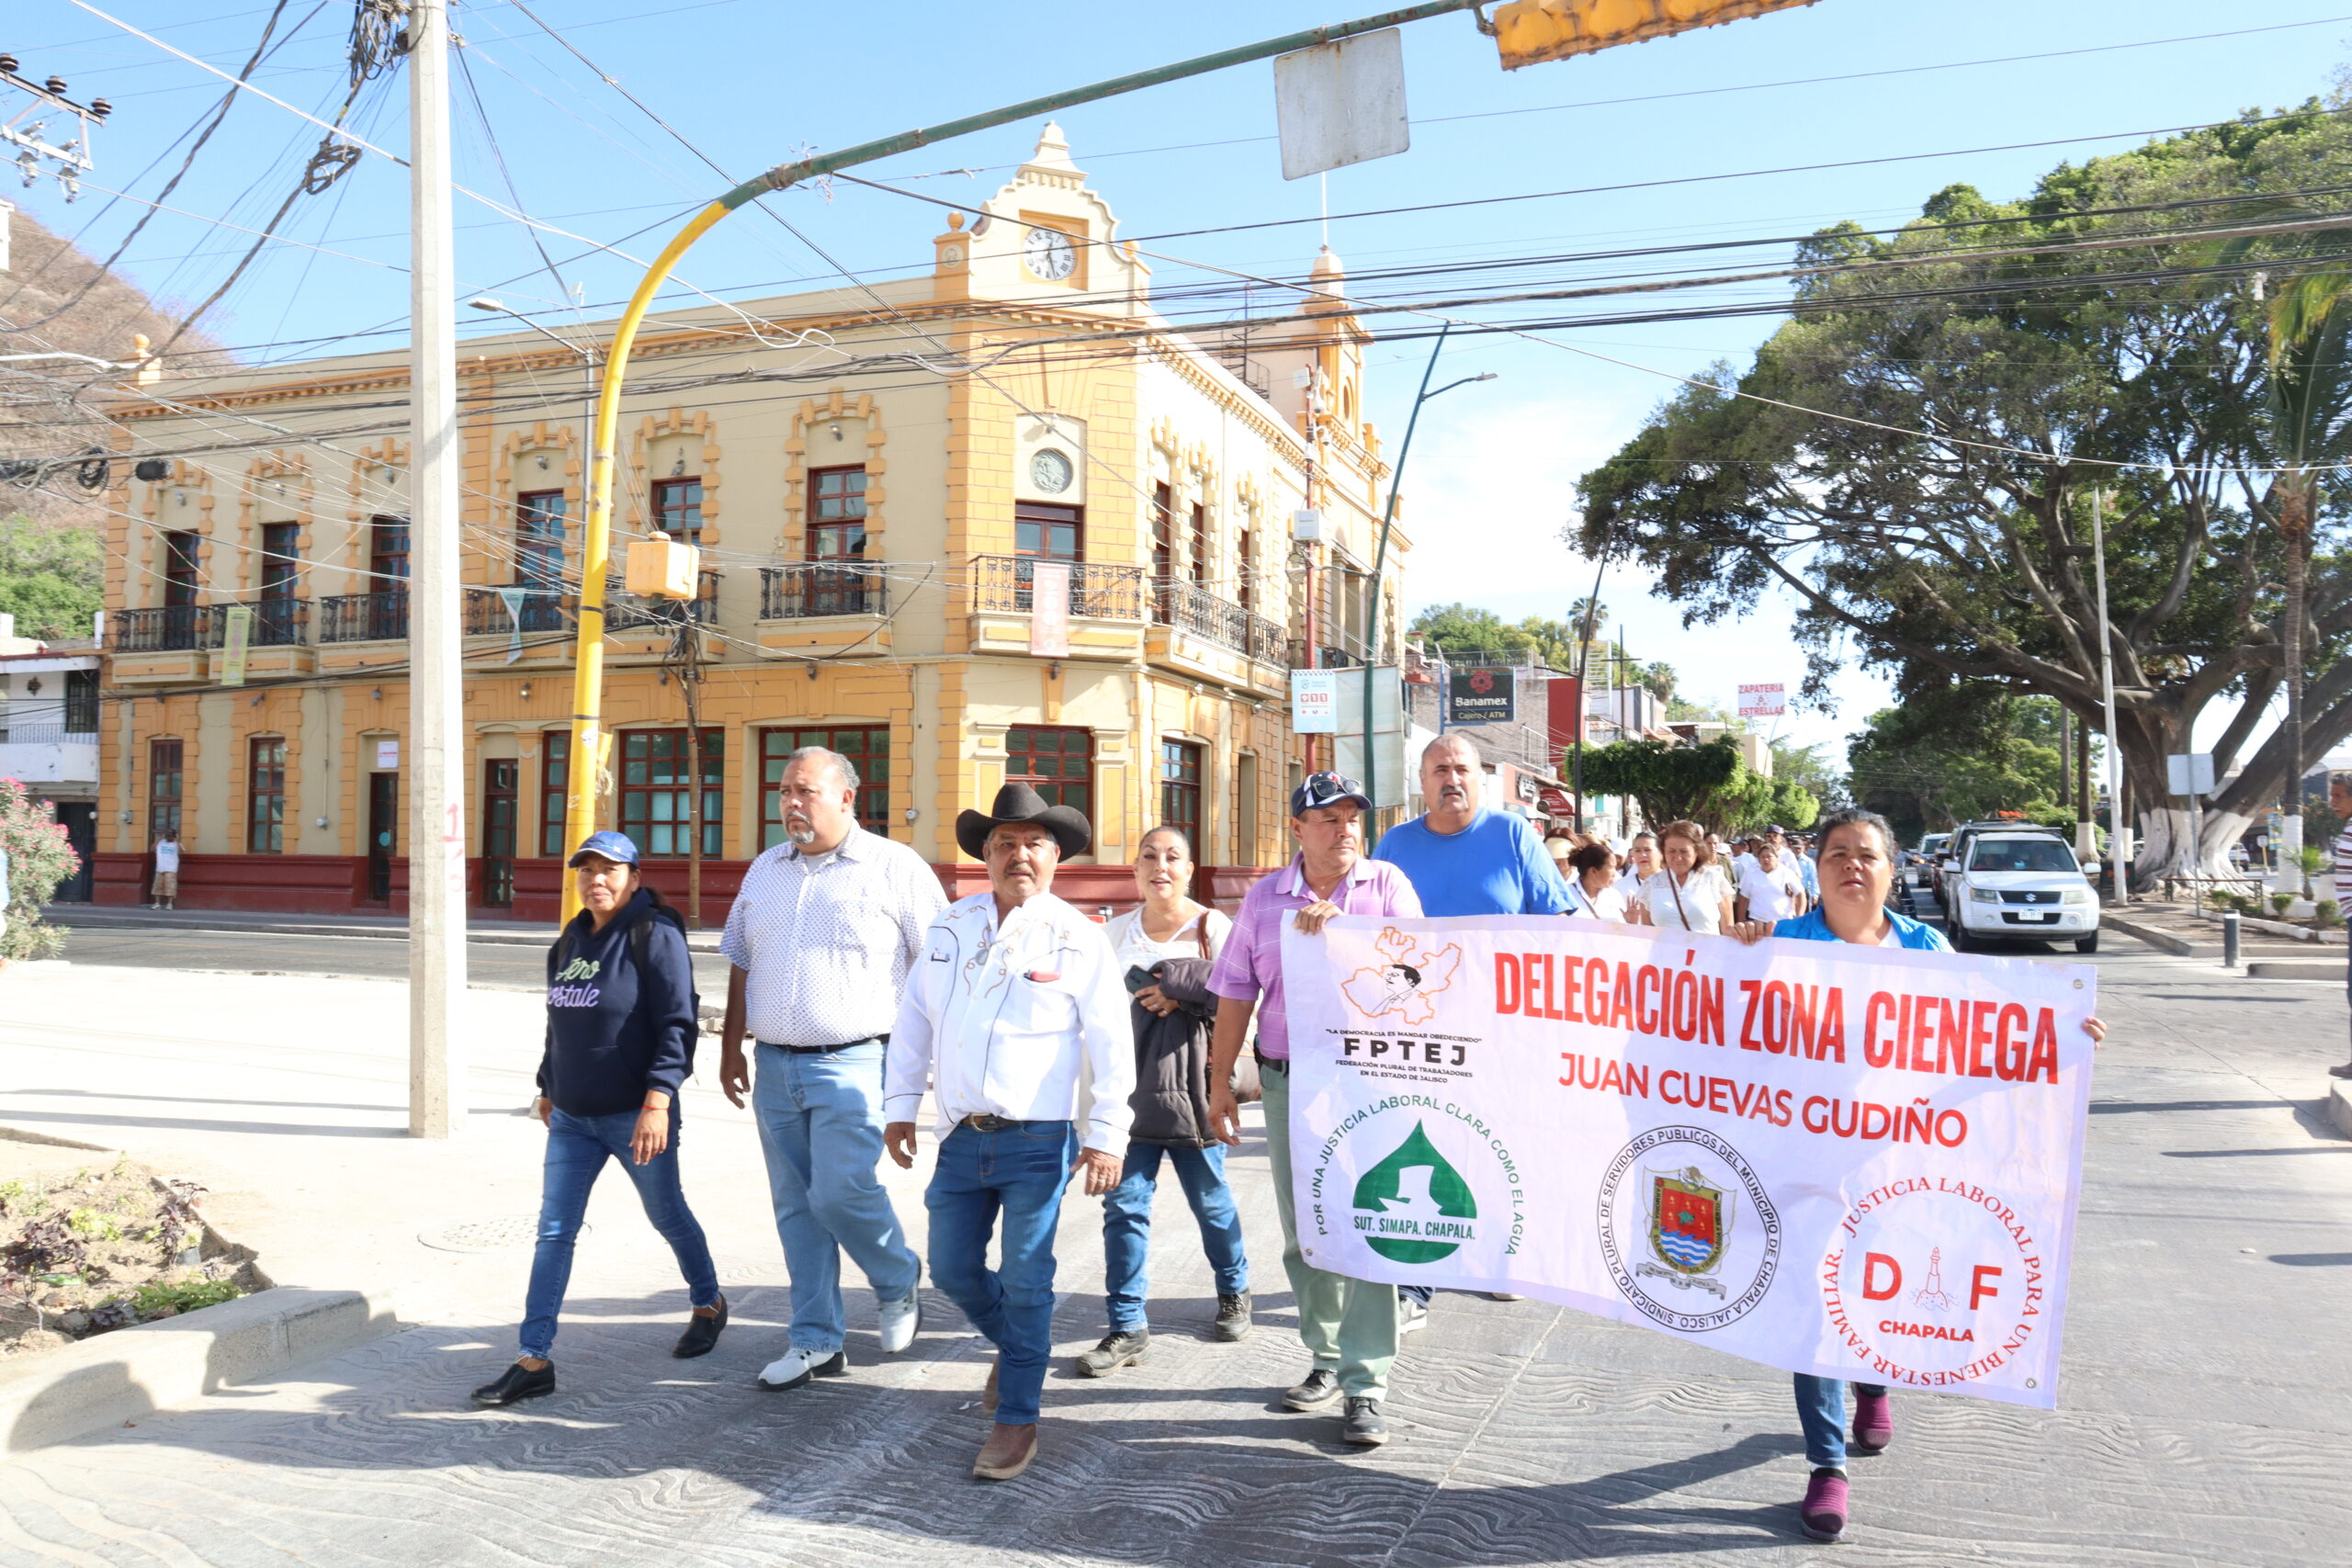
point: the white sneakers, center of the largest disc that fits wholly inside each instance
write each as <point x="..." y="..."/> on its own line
<point x="797" y="1366"/>
<point x="901" y="1321"/>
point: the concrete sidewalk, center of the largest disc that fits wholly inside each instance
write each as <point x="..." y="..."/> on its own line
<point x="2202" y="1420"/>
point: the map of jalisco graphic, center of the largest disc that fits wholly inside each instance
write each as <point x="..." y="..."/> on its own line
<point x="1405" y="983"/>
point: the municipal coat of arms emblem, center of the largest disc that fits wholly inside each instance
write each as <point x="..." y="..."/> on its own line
<point x="1690" y="1222"/>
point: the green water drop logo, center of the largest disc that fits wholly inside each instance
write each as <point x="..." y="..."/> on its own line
<point x="1413" y="1207"/>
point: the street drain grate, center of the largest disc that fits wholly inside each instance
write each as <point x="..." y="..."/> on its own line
<point x="484" y="1236"/>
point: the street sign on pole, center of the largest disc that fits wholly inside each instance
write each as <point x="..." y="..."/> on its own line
<point x="1481" y="696"/>
<point x="1341" y="103"/>
<point x="1380" y="767"/>
<point x="1763" y="700"/>
<point x="1314" y="701"/>
<point x="2190" y="772"/>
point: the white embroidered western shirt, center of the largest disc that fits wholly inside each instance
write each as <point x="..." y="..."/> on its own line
<point x="1026" y="1019"/>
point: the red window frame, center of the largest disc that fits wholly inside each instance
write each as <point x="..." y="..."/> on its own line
<point x="867" y="746"/>
<point x="654" y="800"/>
<point x="265" y="795"/>
<point x="555" y="776"/>
<point x="1055" y="761"/>
<point x="677" y="508"/>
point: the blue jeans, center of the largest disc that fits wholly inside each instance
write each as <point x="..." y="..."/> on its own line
<point x="820" y="1127"/>
<point x="577" y="1150"/>
<point x="1821" y="1411"/>
<point x="1126" y="1226"/>
<point x="1017" y="1172"/>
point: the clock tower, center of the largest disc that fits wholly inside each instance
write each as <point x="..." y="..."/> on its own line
<point x="1045" y="239"/>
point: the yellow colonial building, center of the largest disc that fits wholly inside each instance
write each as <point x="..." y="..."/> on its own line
<point x="994" y="519"/>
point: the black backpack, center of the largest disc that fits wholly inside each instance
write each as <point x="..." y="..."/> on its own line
<point x="640" y="943"/>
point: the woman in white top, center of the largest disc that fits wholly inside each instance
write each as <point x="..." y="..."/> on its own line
<point x="1641" y="864"/>
<point x="1168" y="923"/>
<point x="1168" y="928"/>
<point x="1690" y="893"/>
<point x="1592" y="884"/>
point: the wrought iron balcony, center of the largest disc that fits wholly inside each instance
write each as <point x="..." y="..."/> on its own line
<point x="1188" y="605"/>
<point x="364" y="617"/>
<point x="819" y="588"/>
<point x="1006" y="583"/>
<point x="627" y="612"/>
<point x="277" y="623"/>
<point x="540" y="611"/>
<point x="167" y="628"/>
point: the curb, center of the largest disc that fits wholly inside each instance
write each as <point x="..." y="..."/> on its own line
<point x="2339" y="1106"/>
<point x="118" y="1377"/>
<point x="2292" y="969"/>
<point x="2163" y="939"/>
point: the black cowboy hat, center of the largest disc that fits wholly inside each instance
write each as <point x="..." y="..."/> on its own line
<point x="1019" y="803"/>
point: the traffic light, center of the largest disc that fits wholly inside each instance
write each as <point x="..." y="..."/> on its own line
<point x="1528" y="31"/>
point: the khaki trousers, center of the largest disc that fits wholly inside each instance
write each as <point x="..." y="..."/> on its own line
<point x="1348" y="1325"/>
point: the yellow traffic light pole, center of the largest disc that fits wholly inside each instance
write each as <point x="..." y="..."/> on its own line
<point x="1527" y="31"/>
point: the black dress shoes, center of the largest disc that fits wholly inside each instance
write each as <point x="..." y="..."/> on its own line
<point x="701" y="1334"/>
<point x="518" y="1383"/>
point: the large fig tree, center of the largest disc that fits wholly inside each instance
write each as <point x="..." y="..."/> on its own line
<point x="1998" y="373"/>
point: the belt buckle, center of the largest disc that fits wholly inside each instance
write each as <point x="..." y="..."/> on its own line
<point x="981" y="1121"/>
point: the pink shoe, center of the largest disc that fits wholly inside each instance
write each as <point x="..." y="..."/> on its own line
<point x="1873" y="1422"/>
<point x="1822" y="1512"/>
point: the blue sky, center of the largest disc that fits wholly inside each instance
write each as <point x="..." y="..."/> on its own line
<point x="755" y="81"/>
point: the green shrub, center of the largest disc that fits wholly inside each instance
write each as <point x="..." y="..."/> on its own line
<point x="39" y="860"/>
<point x="2326" y="915"/>
<point x="2281" y="902"/>
<point x="186" y="1296"/>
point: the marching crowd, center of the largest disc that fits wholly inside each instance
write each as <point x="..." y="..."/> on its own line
<point x="1055" y="1049"/>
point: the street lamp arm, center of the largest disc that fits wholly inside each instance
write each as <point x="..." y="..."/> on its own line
<point x="785" y="176"/>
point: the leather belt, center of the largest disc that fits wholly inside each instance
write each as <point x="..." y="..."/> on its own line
<point x="826" y="1050"/>
<point x="1271" y="1064"/>
<point x="980" y="1122"/>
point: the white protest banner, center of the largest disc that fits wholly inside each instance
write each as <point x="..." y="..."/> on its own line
<point x="1855" y="1162"/>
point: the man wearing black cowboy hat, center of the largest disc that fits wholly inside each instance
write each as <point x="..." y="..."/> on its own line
<point x="1016" y="1021"/>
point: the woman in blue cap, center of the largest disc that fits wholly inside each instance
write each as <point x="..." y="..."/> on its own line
<point x="621" y="1023"/>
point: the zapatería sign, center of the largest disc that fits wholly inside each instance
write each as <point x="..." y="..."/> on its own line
<point x="1856" y="1162"/>
<point x="1480" y="696"/>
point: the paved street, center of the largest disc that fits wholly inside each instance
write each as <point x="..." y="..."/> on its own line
<point x="280" y="952"/>
<point x="2201" y="1420"/>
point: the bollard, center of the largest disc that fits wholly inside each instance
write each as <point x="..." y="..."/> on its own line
<point x="2229" y="939"/>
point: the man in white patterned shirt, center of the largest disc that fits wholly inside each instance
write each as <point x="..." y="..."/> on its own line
<point x="821" y="937"/>
<point x="1016" y="1021"/>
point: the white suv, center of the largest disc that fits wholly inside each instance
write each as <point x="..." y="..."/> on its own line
<point x="2019" y="886"/>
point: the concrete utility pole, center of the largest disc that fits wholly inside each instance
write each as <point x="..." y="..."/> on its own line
<point x="2119" y="840"/>
<point x="436" y="750"/>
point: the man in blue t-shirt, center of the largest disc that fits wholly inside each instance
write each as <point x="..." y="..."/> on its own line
<point x="1464" y="860"/>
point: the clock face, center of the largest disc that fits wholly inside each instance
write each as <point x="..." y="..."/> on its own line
<point x="1050" y="472"/>
<point x="1049" y="255"/>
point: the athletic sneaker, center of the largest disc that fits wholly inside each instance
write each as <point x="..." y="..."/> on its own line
<point x="1822" y="1512"/>
<point x="900" y="1322"/>
<point x="797" y="1366"/>
<point x="1873" y="1422"/>
<point x="1411" y="1317"/>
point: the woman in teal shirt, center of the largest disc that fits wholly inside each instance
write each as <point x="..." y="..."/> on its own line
<point x="1857" y="872"/>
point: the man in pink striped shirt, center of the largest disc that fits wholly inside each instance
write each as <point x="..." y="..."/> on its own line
<point x="1350" y="1325"/>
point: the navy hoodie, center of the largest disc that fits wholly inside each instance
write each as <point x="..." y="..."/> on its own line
<point x="615" y="1030"/>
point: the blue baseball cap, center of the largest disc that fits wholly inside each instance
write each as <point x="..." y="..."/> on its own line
<point x="618" y="848"/>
